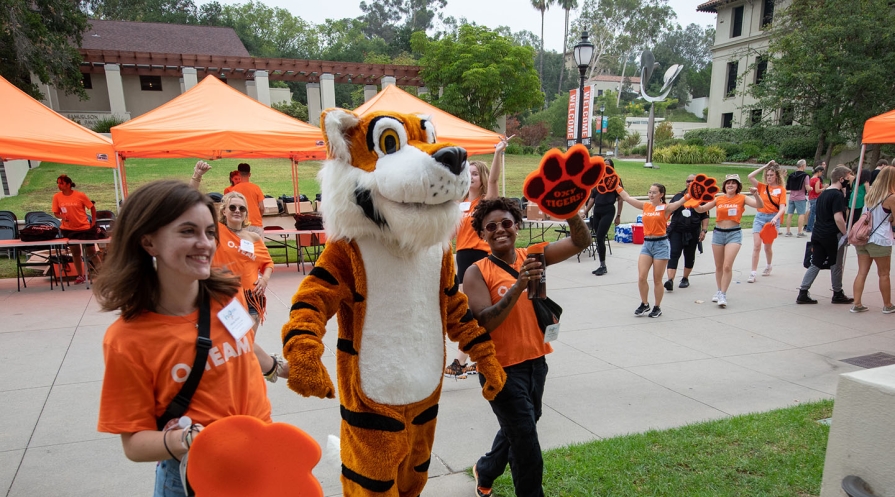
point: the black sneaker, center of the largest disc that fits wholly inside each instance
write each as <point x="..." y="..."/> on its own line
<point x="684" y="283"/>
<point x="455" y="370"/>
<point x="840" y="298"/>
<point x="600" y="271"/>
<point x="805" y="298"/>
<point x="643" y="309"/>
<point x="656" y="312"/>
<point x="669" y="286"/>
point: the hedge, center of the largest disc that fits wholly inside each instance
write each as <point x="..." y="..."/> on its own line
<point x="689" y="154"/>
<point x="765" y="135"/>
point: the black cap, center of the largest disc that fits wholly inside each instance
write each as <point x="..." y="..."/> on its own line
<point x="244" y="168"/>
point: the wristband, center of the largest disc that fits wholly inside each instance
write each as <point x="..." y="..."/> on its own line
<point x="197" y="179"/>
<point x="274" y="368"/>
<point x="165" y="441"/>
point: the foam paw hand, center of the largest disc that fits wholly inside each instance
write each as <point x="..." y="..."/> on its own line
<point x="610" y="181"/>
<point x="495" y="377"/>
<point x="307" y="374"/>
<point x="242" y="455"/>
<point x="701" y="190"/>
<point x="561" y="184"/>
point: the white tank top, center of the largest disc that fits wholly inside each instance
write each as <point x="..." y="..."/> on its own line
<point x="883" y="235"/>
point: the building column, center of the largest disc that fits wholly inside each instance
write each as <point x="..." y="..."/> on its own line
<point x="189" y="78"/>
<point x="327" y="90"/>
<point x="370" y="91"/>
<point x="51" y="98"/>
<point x="501" y="125"/>
<point x="313" y="90"/>
<point x="387" y="80"/>
<point x="116" y="91"/>
<point x="262" y="86"/>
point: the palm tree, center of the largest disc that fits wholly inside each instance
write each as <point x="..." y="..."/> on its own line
<point x="542" y="6"/>
<point x="566" y="5"/>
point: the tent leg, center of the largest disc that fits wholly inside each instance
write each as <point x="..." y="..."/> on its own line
<point x="854" y="198"/>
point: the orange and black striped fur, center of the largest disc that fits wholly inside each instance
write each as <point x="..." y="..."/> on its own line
<point x="390" y="206"/>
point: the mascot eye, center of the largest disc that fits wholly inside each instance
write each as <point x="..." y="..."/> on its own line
<point x="389" y="141"/>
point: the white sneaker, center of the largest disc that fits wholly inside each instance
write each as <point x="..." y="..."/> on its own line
<point x="715" y="297"/>
<point x="767" y="271"/>
<point x="751" y="277"/>
<point x="722" y="301"/>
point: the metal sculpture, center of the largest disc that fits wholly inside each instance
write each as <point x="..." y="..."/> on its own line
<point x="648" y="64"/>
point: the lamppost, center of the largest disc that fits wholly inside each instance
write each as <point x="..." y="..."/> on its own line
<point x="583" y="51"/>
<point x="602" y="109"/>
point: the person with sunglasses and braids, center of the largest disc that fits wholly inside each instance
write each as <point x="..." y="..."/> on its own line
<point x="499" y="301"/>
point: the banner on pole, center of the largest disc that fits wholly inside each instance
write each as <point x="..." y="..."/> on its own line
<point x="572" y="120"/>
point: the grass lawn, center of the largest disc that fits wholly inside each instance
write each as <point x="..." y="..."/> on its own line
<point x="777" y="453"/>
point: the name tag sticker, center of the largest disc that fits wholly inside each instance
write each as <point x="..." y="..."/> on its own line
<point x="236" y="319"/>
<point x="551" y="333"/>
<point x="775" y="191"/>
<point x="732" y="212"/>
<point x="246" y="246"/>
<point x="660" y="207"/>
<point x="464" y="206"/>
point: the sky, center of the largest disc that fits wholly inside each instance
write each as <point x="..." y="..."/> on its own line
<point x="517" y="14"/>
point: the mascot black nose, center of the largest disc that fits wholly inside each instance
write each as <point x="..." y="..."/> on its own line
<point x="451" y="157"/>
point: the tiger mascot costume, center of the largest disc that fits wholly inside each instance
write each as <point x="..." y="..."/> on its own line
<point x="389" y="206"/>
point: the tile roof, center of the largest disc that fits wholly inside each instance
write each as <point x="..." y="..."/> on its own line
<point x="712" y="5"/>
<point x="162" y="38"/>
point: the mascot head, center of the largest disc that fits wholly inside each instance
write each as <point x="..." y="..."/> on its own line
<point x="387" y="179"/>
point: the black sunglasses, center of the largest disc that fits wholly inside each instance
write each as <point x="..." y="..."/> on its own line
<point x="234" y="207"/>
<point x="505" y="224"/>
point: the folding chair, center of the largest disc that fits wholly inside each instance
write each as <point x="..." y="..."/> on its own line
<point x="106" y="220"/>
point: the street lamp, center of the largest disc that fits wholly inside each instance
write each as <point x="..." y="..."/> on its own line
<point x="583" y="51"/>
<point x="602" y="108"/>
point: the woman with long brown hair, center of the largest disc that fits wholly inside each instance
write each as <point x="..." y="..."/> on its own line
<point x="880" y="202"/>
<point x="773" y="193"/>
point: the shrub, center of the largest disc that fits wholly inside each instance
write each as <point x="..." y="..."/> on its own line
<point x="668" y="143"/>
<point x="533" y="134"/>
<point x="515" y="148"/>
<point x="714" y="155"/>
<point x="768" y="154"/>
<point x="689" y="154"/>
<point x="663" y="132"/>
<point x="730" y="149"/>
<point x="798" y="148"/>
<point x="528" y="150"/>
<point x="630" y="141"/>
<point x="751" y="151"/>
<point x="293" y="109"/>
<point x="766" y="135"/>
<point x="638" y="150"/>
<point x="105" y="124"/>
<point x="738" y="157"/>
<point x="694" y="141"/>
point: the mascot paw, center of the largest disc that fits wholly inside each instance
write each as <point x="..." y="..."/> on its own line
<point x="702" y="190"/>
<point x="495" y="377"/>
<point x="561" y="184"/>
<point x="310" y="379"/>
<point x="609" y="182"/>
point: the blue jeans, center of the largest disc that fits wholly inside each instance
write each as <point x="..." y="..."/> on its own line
<point x="812" y="204"/>
<point x="518" y="408"/>
<point x="167" y="479"/>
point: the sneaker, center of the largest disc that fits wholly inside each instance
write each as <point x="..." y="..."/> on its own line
<point x="669" y="286"/>
<point x="889" y="309"/>
<point x="788" y="233"/>
<point x="722" y="301"/>
<point x="471" y="369"/>
<point x="80" y="280"/>
<point x="684" y="283"/>
<point x="864" y="308"/>
<point x="805" y="298"/>
<point x="480" y="491"/>
<point x="767" y="271"/>
<point x="716" y="296"/>
<point x="751" y="277"/>
<point x="840" y="298"/>
<point x="600" y="271"/>
<point x="643" y="309"/>
<point x="455" y="370"/>
<point x="656" y="312"/>
<point x="801" y="235"/>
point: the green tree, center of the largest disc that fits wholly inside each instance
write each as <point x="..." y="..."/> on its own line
<point x="692" y="47"/>
<point x="565" y="5"/>
<point x="555" y="116"/>
<point x="167" y="11"/>
<point x="541" y="6"/>
<point x="272" y="31"/>
<point x="42" y="37"/>
<point x="818" y="58"/>
<point x="396" y="20"/>
<point x="482" y="74"/>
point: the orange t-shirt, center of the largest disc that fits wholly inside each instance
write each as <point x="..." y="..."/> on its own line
<point x="467" y="238"/>
<point x="777" y="194"/>
<point x="228" y="190"/>
<point x="254" y="196"/>
<point x="244" y="264"/>
<point x="72" y="207"/>
<point x="518" y="338"/>
<point x="149" y="357"/>
<point x="655" y="219"/>
<point x="730" y="209"/>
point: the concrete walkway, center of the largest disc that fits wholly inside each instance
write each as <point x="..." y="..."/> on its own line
<point x="612" y="373"/>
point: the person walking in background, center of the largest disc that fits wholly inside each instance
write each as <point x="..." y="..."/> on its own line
<point x="774" y="197"/>
<point x="686" y="230"/>
<point x="829" y="227"/>
<point x="797" y="184"/>
<point x="880" y="202"/>
<point x="605" y="213"/>
<point x="234" y="180"/>
<point x="656" y="250"/>
<point x="880" y="165"/>
<point x="727" y="237"/>
<point x="254" y="197"/>
<point x="815" y="186"/>
<point x="470" y="246"/>
<point x="71" y="207"/>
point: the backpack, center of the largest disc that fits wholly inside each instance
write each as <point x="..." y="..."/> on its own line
<point x="796" y="181"/>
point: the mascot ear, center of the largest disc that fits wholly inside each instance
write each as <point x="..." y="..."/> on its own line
<point x="335" y="124"/>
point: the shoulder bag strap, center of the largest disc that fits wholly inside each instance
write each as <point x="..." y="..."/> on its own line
<point x="885" y="218"/>
<point x="181" y="401"/>
<point x="767" y="191"/>
<point x="503" y="265"/>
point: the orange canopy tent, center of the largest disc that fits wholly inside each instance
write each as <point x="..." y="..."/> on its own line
<point x="30" y="130"/>
<point x="879" y="129"/>
<point x="448" y="128"/>
<point x="213" y="121"/>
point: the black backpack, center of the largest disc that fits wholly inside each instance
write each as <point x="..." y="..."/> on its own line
<point x="796" y="181"/>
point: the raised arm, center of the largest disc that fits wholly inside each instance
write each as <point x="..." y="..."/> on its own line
<point x="677" y="205"/>
<point x="561" y="250"/>
<point x="753" y="176"/>
<point x="201" y="168"/>
<point x="623" y="195"/>
<point x="706" y="206"/>
<point x="496" y="167"/>
<point x="755" y="200"/>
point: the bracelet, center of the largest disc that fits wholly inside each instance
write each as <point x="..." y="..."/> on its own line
<point x="197" y="179"/>
<point x="165" y="441"/>
<point x="186" y="436"/>
<point x="274" y="368"/>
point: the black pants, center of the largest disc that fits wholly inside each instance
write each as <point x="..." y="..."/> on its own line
<point x="466" y="258"/>
<point x="518" y="408"/>
<point x="685" y="242"/>
<point x="600" y="220"/>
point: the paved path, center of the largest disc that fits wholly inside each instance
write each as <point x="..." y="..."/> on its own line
<point x="612" y="373"/>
